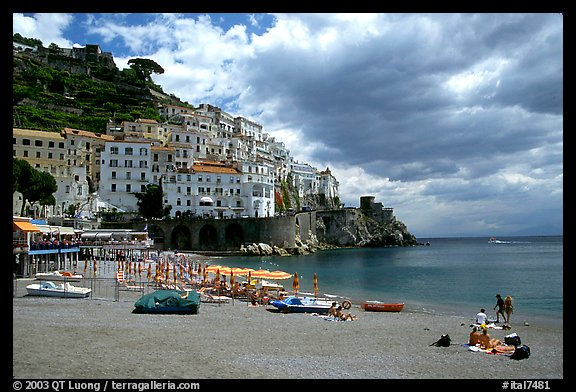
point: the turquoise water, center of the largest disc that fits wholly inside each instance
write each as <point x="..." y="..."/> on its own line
<point x="463" y="274"/>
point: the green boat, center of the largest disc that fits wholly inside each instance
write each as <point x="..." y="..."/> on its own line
<point x="168" y="302"/>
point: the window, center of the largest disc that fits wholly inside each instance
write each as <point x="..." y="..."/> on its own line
<point x="50" y="144"/>
<point x="61" y="145"/>
<point x="128" y="187"/>
<point x="37" y="154"/>
<point x="113" y="175"/>
<point x="143" y="151"/>
<point x="128" y="175"/>
<point x="113" y="162"/>
<point x="113" y="188"/>
<point x="113" y="150"/>
<point x="128" y="163"/>
<point x="143" y="176"/>
<point x="25" y="142"/>
<point x="128" y="151"/>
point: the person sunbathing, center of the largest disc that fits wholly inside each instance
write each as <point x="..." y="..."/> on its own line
<point x="474" y="336"/>
<point x="344" y="317"/>
<point x="487" y="342"/>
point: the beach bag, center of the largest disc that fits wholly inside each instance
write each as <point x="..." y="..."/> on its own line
<point x="521" y="352"/>
<point x="512" y="340"/>
<point x="444" y="341"/>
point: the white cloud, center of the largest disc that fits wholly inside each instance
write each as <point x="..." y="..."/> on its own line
<point x="453" y="120"/>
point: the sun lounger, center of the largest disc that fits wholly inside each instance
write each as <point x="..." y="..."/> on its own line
<point x="207" y="297"/>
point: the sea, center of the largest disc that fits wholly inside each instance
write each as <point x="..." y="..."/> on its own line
<point x="445" y="275"/>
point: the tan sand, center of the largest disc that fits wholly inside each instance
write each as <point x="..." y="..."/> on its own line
<point x="101" y="338"/>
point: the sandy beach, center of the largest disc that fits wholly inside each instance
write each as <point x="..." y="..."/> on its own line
<point x="102" y="339"/>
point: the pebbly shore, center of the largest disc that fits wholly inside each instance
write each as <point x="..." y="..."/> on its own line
<point x="101" y="338"/>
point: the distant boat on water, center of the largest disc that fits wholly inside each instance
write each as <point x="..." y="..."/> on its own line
<point x="494" y="240"/>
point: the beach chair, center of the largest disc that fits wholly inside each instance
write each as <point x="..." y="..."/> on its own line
<point x="207" y="297"/>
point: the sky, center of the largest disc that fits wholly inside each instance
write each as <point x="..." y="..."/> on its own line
<point x="453" y="120"/>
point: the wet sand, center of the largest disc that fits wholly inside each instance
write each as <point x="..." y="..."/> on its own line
<point x="101" y="338"/>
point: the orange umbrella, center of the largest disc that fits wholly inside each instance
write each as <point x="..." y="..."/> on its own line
<point x="315" y="279"/>
<point x="261" y="273"/>
<point x="278" y="275"/>
<point x="213" y="268"/>
<point x="295" y="284"/>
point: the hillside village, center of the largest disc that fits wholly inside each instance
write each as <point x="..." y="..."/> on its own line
<point x="206" y="163"/>
<point x="209" y="163"/>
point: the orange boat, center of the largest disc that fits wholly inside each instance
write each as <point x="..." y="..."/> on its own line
<point x="382" y="307"/>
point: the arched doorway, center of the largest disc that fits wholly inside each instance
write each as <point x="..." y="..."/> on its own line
<point x="208" y="238"/>
<point x="234" y="236"/>
<point x="181" y="238"/>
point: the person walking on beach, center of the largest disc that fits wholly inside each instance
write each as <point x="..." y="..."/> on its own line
<point x="508" y="308"/>
<point x="500" y="310"/>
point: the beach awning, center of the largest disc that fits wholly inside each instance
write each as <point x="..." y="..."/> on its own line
<point x="66" y="230"/>
<point x="47" y="229"/>
<point x="25" y="226"/>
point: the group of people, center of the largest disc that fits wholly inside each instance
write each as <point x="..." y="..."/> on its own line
<point x="480" y="335"/>
<point x="504" y="307"/>
<point x="336" y="312"/>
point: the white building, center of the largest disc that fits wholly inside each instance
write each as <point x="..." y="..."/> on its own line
<point x="217" y="190"/>
<point x="125" y="169"/>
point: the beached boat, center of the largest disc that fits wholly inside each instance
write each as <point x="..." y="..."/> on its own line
<point x="63" y="290"/>
<point x="374" y="306"/>
<point x="59" y="276"/>
<point x="169" y="302"/>
<point x="301" y="305"/>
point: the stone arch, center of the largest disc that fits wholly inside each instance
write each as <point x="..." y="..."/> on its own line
<point x="208" y="237"/>
<point x="181" y="238"/>
<point x="234" y="236"/>
<point x="156" y="233"/>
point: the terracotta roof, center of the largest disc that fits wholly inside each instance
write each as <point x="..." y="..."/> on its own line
<point x="213" y="167"/>
<point x="87" y="134"/>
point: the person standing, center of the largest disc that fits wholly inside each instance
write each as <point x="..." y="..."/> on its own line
<point x="500" y="310"/>
<point x="508" y="308"/>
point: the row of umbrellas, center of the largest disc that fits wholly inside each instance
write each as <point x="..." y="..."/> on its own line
<point x="217" y="269"/>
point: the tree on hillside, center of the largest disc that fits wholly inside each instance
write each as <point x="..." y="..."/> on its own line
<point x="35" y="186"/>
<point x="145" y="67"/>
<point x="150" y="202"/>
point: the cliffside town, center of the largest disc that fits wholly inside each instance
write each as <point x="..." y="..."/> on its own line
<point x="208" y="163"/>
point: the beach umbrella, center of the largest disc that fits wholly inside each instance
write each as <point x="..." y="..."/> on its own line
<point x="315" y="279"/>
<point x="149" y="274"/>
<point x="205" y="274"/>
<point x="217" y="278"/>
<point x="278" y="275"/>
<point x="232" y="279"/>
<point x="261" y="273"/>
<point x="95" y="266"/>
<point x="295" y="284"/>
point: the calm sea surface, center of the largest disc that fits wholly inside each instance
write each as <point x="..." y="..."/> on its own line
<point x="459" y="274"/>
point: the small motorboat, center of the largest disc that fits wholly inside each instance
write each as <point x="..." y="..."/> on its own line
<point x="61" y="276"/>
<point x="63" y="290"/>
<point x="376" y="306"/>
<point x="169" y="302"/>
<point x="301" y="305"/>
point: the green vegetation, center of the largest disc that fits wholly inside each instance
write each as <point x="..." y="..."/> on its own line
<point x="74" y="93"/>
<point x="35" y="186"/>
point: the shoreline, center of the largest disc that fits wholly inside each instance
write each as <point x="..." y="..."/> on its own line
<point x="102" y="339"/>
